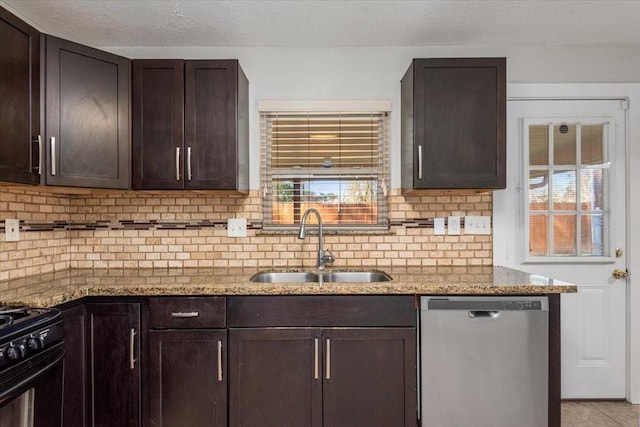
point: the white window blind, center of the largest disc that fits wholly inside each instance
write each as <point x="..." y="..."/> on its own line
<point x="334" y="162"/>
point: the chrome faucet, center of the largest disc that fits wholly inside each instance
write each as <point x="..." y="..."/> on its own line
<point x="322" y="257"/>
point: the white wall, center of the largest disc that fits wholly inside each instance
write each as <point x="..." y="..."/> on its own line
<point x="375" y="73"/>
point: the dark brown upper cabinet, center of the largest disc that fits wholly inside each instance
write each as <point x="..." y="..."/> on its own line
<point x="158" y="124"/>
<point x="87" y="116"/>
<point x="454" y="124"/>
<point x="19" y="100"/>
<point x="190" y="125"/>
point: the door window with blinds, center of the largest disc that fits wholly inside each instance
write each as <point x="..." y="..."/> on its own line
<point x="569" y="182"/>
<point x="336" y="163"/>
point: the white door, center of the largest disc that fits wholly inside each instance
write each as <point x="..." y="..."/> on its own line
<point x="565" y="205"/>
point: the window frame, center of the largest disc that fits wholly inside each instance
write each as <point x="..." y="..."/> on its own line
<point x="382" y="173"/>
<point x="609" y="137"/>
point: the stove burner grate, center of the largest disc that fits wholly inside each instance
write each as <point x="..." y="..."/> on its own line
<point x="11" y="315"/>
<point x="5" y="320"/>
<point x="16" y="311"/>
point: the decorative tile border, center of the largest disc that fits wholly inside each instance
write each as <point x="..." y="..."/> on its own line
<point x="27" y="226"/>
<point x="419" y="222"/>
<point x="125" y="225"/>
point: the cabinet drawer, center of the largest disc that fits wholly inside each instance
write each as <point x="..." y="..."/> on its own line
<point x="319" y="311"/>
<point x="187" y="312"/>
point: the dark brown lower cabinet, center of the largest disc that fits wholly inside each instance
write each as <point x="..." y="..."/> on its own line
<point x="187" y="378"/>
<point x="76" y="378"/>
<point x="369" y="377"/>
<point x="322" y="377"/>
<point x="114" y="368"/>
<point x="275" y="377"/>
<point x="337" y="362"/>
<point x="101" y="382"/>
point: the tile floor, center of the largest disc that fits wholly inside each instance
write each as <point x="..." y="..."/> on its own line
<point x="600" y="414"/>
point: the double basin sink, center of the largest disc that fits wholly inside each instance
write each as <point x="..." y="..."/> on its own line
<point x="321" y="277"/>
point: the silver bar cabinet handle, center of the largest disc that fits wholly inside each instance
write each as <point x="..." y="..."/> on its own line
<point x="328" y="360"/>
<point x="316" y="367"/>
<point x="189" y="163"/>
<point x="419" y="161"/>
<point x="132" y="344"/>
<point x="40" y="156"/>
<point x="53" y="155"/>
<point x="219" y="360"/>
<point x="183" y="314"/>
<point x="177" y="163"/>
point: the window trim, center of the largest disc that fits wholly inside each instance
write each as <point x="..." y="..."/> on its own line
<point x="332" y="106"/>
<point x="525" y="217"/>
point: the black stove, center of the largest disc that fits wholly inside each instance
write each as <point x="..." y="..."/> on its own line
<point x="31" y="339"/>
<point x="12" y="315"/>
<point x="33" y="328"/>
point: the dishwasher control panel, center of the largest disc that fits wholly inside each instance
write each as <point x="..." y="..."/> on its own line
<point x="493" y="304"/>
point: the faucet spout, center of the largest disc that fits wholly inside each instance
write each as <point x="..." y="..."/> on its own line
<point x="322" y="258"/>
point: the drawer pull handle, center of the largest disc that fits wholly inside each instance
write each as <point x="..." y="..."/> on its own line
<point x="219" y="361"/>
<point x="53" y="156"/>
<point x="328" y="360"/>
<point x="316" y="367"/>
<point x="420" y="162"/>
<point x="177" y="163"/>
<point x="132" y="352"/>
<point x="189" y="163"/>
<point x="40" y="155"/>
<point x="181" y="314"/>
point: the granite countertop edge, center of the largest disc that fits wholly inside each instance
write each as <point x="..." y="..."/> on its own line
<point x="55" y="288"/>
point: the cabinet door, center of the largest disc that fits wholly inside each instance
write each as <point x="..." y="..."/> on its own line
<point x="114" y="344"/>
<point x="187" y="378"/>
<point x="76" y="379"/>
<point x="275" y="377"/>
<point x="158" y="124"/>
<point x="87" y="116"/>
<point x="19" y="100"/>
<point x="369" y="377"/>
<point x="459" y="119"/>
<point x="211" y="151"/>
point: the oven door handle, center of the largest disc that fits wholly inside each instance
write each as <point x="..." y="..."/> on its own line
<point x="55" y="356"/>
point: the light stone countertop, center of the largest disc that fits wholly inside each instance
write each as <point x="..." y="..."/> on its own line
<point x="55" y="288"/>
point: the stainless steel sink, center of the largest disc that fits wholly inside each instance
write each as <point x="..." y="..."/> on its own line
<point x="355" y="276"/>
<point x="326" y="276"/>
<point x="285" y="277"/>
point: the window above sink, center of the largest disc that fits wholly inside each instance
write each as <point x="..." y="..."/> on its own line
<point x="333" y="159"/>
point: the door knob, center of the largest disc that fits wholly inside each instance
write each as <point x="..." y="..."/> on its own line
<point x="620" y="274"/>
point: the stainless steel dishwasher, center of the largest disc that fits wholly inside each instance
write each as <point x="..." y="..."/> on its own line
<point x="484" y="361"/>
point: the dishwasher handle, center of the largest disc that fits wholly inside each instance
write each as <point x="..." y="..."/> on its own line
<point x="483" y="314"/>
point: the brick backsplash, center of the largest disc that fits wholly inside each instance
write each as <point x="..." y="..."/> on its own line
<point x="36" y="252"/>
<point x="171" y="229"/>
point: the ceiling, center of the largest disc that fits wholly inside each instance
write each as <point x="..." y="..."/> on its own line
<point x="332" y="23"/>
